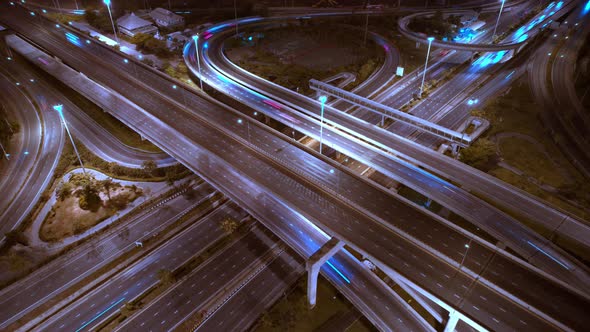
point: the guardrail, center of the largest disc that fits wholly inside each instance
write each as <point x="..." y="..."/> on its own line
<point x="456" y="137"/>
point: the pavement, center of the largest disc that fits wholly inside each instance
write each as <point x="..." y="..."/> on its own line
<point x="67" y="270"/>
<point x="90" y="309"/>
<point x="33" y="158"/>
<point x="257" y="174"/>
<point x="150" y="190"/>
<point x="482" y="214"/>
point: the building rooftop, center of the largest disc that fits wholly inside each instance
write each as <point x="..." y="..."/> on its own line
<point x="164" y="15"/>
<point x="132" y="22"/>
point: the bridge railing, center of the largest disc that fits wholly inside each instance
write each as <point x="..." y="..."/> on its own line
<point x="389" y="112"/>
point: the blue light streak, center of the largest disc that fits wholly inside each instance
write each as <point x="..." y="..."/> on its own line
<point x="510" y="75"/>
<point x="587" y="7"/>
<point x="546" y="254"/>
<point x="337" y="271"/>
<point x="72" y="38"/>
<point x="100" y="314"/>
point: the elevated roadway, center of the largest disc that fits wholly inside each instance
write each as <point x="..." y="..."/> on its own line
<point x="383" y="316"/>
<point x="466" y="205"/>
<point x="229" y="142"/>
<point x="471" y="179"/>
<point x="33" y="158"/>
<point x="518" y="42"/>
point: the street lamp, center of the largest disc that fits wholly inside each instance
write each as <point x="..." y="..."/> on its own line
<point x="323" y="100"/>
<point x="430" y="39"/>
<point x="59" y="109"/>
<point x="6" y="155"/>
<point x="498" y="20"/>
<point x="108" y="3"/>
<point x="196" y="38"/>
<point x="240" y="121"/>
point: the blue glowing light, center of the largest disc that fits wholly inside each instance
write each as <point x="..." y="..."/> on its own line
<point x="323" y="99"/>
<point x="522" y="38"/>
<point x="558" y="6"/>
<point x="339" y="273"/>
<point x="510" y="75"/>
<point x="206" y="45"/>
<point x="587" y="7"/>
<point x="58" y="108"/>
<point x="250" y="38"/>
<point x="215" y="28"/>
<point x="72" y="38"/>
<point x="26" y="153"/>
<point x="107" y="2"/>
<point x="99" y="314"/>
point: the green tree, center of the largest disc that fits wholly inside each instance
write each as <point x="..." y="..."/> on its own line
<point x="64" y="190"/>
<point x="98" y="19"/>
<point x="107" y="185"/>
<point x="149" y="166"/>
<point x="15" y="236"/>
<point x="229" y="225"/>
<point x="89" y="198"/>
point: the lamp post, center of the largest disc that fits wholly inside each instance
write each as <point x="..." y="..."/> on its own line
<point x="467" y="246"/>
<point x="4" y="151"/>
<point x="196" y="39"/>
<point x="108" y="3"/>
<point x="59" y="109"/>
<point x="430" y="39"/>
<point x="240" y="121"/>
<point x="323" y="100"/>
<point x="498" y="20"/>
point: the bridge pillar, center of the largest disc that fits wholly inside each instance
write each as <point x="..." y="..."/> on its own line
<point x="452" y="322"/>
<point x="315" y="262"/>
<point x="472" y="56"/>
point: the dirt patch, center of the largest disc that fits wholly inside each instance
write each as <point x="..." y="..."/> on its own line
<point x="292" y="55"/>
<point x="81" y="204"/>
<point x="525" y="156"/>
<point x="517" y="113"/>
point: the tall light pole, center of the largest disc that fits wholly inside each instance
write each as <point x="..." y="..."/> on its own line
<point x="323" y="100"/>
<point x="4" y="151"/>
<point x="196" y="39"/>
<point x="108" y="3"/>
<point x="430" y="39"/>
<point x="59" y="109"/>
<point x="498" y="20"/>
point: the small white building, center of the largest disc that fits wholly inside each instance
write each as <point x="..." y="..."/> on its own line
<point x="131" y="24"/>
<point x="166" y="19"/>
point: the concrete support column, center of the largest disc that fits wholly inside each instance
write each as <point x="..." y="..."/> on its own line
<point x="315" y="262"/>
<point x="452" y="322"/>
<point x="312" y="283"/>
